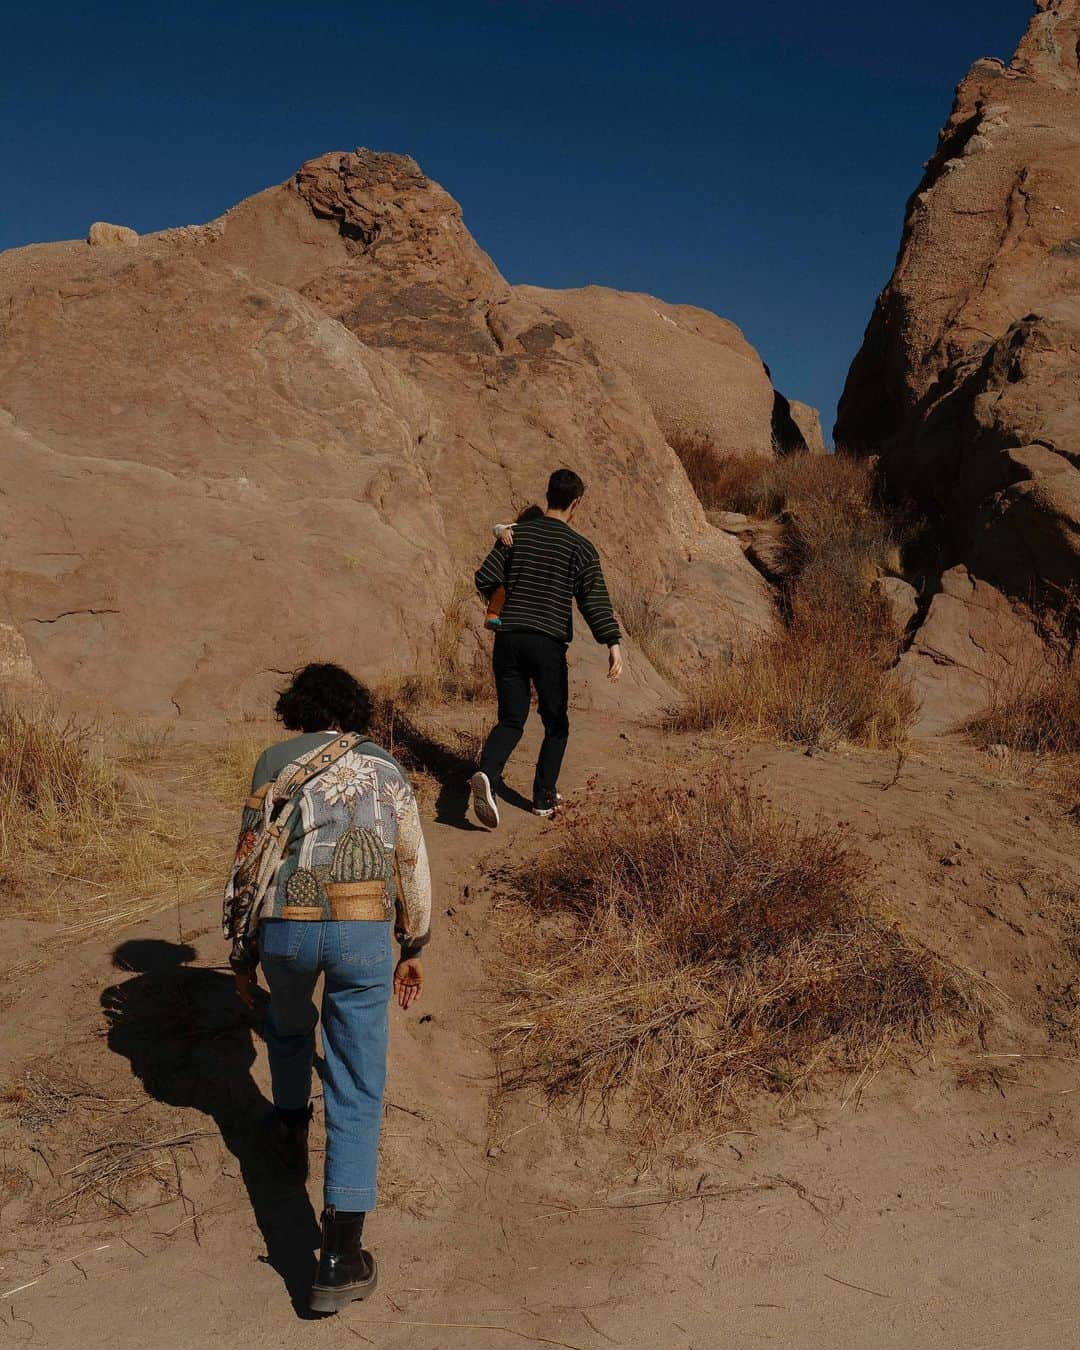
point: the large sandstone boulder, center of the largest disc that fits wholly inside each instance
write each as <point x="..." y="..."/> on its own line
<point x="972" y="644"/>
<point x="103" y="235"/>
<point x="967" y="380"/>
<point x="285" y="434"/>
<point x="696" y="371"/>
<point x="808" y="422"/>
<point x="205" y="478"/>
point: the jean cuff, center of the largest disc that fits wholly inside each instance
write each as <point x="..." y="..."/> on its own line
<point x="346" y="1197"/>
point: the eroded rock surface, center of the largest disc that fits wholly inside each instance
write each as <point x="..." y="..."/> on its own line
<point x="285" y="435"/>
<point x="972" y="643"/>
<point x="967" y="380"/>
<point x="103" y="235"/>
<point x="696" y="371"/>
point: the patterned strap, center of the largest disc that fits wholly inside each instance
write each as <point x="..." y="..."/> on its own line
<point x="306" y="768"/>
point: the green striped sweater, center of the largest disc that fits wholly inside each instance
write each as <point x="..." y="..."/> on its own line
<point x="549" y="566"/>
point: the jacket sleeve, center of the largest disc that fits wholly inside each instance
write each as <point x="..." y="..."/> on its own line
<point x="492" y="571"/>
<point x="591" y="593"/>
<point x="414" y="882"/>
<point x="245" y="951"/>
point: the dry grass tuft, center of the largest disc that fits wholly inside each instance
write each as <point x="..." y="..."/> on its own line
<point x="732" y="482"/>
<point x="40" y="1097"/>
<point x="1035" y="711"/>
<point x="459" y="670"/>
<point x="638" y="612"/>
<point x="697" y="947"/>
<point x="78" y="843"/>
<point x="229" y="766"/>
<point x="808" y="699"/>
<point x="826" y="675"/>
<point x="147" y="743"/>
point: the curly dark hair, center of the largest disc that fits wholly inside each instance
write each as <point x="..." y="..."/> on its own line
<point x="324" y="697"/>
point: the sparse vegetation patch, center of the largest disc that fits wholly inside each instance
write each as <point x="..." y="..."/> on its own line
<point x="79" y="844"/>
<point x="1035" y="712"/>
<point x="696" y="947"/>
<point x="826" y="674"/>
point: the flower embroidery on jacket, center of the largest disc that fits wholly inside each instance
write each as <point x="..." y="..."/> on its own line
<point x="346" y="780"/>
<point x="396" y="795"/>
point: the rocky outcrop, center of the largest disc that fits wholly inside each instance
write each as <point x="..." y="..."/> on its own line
<point x="206" y="479"/>
<point x="971" y="643"/>
<point x="966" y="383"/>
<point x="103" y="235"/>
<point x="285" y="434"/>
<point x="808" y="421"/>
<point x="696" y="371"/>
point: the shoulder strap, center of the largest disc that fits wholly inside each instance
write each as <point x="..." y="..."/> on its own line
<point x="295" y="777"/>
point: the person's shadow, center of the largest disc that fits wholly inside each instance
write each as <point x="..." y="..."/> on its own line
<point x="190" y="1041"/>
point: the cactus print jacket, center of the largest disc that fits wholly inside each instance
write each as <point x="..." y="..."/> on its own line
<point x="356" y="821"/>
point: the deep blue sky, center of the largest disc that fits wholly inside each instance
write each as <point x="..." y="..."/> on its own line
<point x="753" y="159"/>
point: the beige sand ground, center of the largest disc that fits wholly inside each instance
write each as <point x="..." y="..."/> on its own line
<point x="935" y="1204"/>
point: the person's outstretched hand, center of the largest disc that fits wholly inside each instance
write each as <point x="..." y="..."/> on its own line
<point x="614" y="662"/>
<point x="408" y="981"/>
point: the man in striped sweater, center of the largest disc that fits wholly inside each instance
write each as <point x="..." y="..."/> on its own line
<point x="548" y="567"/>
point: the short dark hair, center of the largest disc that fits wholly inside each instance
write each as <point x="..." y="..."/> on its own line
<point x="563" y="489"/>
<point x="324" y="697"/>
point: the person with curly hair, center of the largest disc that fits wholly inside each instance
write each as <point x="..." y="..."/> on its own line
<point x="330" y="852"/>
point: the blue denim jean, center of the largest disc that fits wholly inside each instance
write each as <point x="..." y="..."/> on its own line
<point x="355" y="959"/>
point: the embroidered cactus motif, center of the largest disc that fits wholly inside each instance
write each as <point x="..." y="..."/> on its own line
<point x="303" y="888"/>
<point x="359" y="856"/>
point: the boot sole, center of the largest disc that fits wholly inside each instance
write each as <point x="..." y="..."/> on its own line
<point x="483" y="801"/>
<point x="333" y="1300"/>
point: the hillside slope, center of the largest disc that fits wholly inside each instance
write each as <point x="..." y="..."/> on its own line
<point x="233" y="447"/>
<point x="931" y="1203"/>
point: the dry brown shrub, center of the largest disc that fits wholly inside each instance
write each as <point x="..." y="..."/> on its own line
<point x="640" y="617"/>
<point x="78" y="843"/>
<point x="230" y="764"/>
<point x="459" y="671"/>
<point x="813" y="693"/>
<point x="697" y="946"/>
<point x="1035" y="711"/>
<point x="731" y="482"/>
<point x="827" y="673"/>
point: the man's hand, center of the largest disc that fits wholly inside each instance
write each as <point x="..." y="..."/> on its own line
<point x="614" y="661"/>
<point x="247" y="981"/>
<point x="408" y="981"/>
<point x="505" y="536"/>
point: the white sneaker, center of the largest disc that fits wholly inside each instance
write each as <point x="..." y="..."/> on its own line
<point x="483" y="801"/>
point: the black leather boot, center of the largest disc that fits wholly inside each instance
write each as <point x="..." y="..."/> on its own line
<point x="346" y="1272"/>
<point x="290" y="1132"/>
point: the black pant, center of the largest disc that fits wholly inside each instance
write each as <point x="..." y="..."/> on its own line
<point x="521" y="659"/>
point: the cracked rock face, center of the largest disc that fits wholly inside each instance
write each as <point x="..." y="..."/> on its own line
<point x="696" y="371"/>
<point x="967" y="379"/>
<point x="284" y="436"/>
<point x="970" y="640"/>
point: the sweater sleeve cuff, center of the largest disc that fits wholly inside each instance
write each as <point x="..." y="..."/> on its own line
<point x="412" y="947"/>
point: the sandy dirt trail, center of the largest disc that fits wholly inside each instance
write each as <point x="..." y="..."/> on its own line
<point x="917" y="1212"/>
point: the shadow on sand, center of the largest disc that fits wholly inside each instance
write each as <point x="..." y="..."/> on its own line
<point x="191" y="1043"/>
